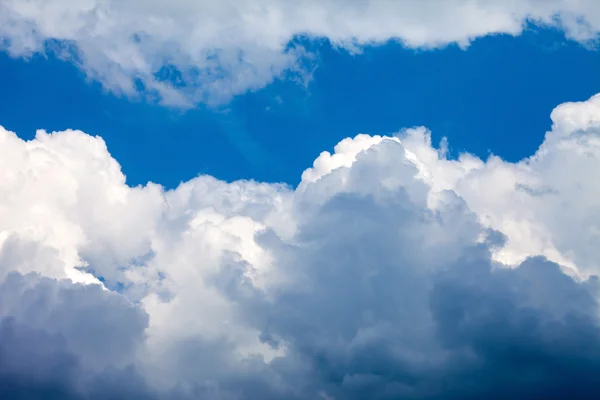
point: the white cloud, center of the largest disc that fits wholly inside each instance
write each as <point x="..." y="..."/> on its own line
<point x="373" y="279"/>
<point x="50" y="197"/>
<point x="227" y="47"/>
<point x="544" y="204"/>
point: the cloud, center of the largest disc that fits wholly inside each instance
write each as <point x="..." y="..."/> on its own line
<point x="184" y="52"/>
<point x="544" y="204"/>
<point x="60" y="340"/>
<point x="389" y="272"/>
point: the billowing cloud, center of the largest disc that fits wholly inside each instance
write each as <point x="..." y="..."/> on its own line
<point x="187" y="51"/>
<point x="389" y="272"/>
<point x="60" y="340"/>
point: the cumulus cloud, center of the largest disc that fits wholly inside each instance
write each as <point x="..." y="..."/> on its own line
<point x="389" y="272"/>
<point x="67" y="341"/>
<point x="186" y="51"/>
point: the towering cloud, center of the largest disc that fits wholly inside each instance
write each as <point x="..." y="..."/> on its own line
<point x="389" y="272"/>
<point x="187" y="51"/>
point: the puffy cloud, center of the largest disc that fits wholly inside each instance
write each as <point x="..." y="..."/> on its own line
<point x="67" y="341"/>
<point x="187" y="51"/>
<point x="544" y="204"/>
<point x="389" y="272"/>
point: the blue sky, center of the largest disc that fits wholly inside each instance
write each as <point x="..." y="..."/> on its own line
<point x="495" y="96"/>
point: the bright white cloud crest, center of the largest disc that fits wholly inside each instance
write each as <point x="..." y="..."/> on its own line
<point x="250" y="288"/>
<point x="187" y="51"/>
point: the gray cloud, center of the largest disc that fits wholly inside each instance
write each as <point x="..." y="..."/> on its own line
<point x="64" y="341"/>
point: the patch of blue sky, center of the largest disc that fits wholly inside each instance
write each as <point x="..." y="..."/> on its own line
<point x="495" y="96"/>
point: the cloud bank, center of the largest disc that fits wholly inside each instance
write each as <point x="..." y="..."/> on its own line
<point x="185" y="51"/>
<point x="389" y="272"/>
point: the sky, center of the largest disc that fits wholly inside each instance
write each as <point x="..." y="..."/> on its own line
<point x="494" y="98"/>
<point x="299" y="200"/>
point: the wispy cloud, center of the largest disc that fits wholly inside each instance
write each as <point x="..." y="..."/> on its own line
<point x="185" y="52"/>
